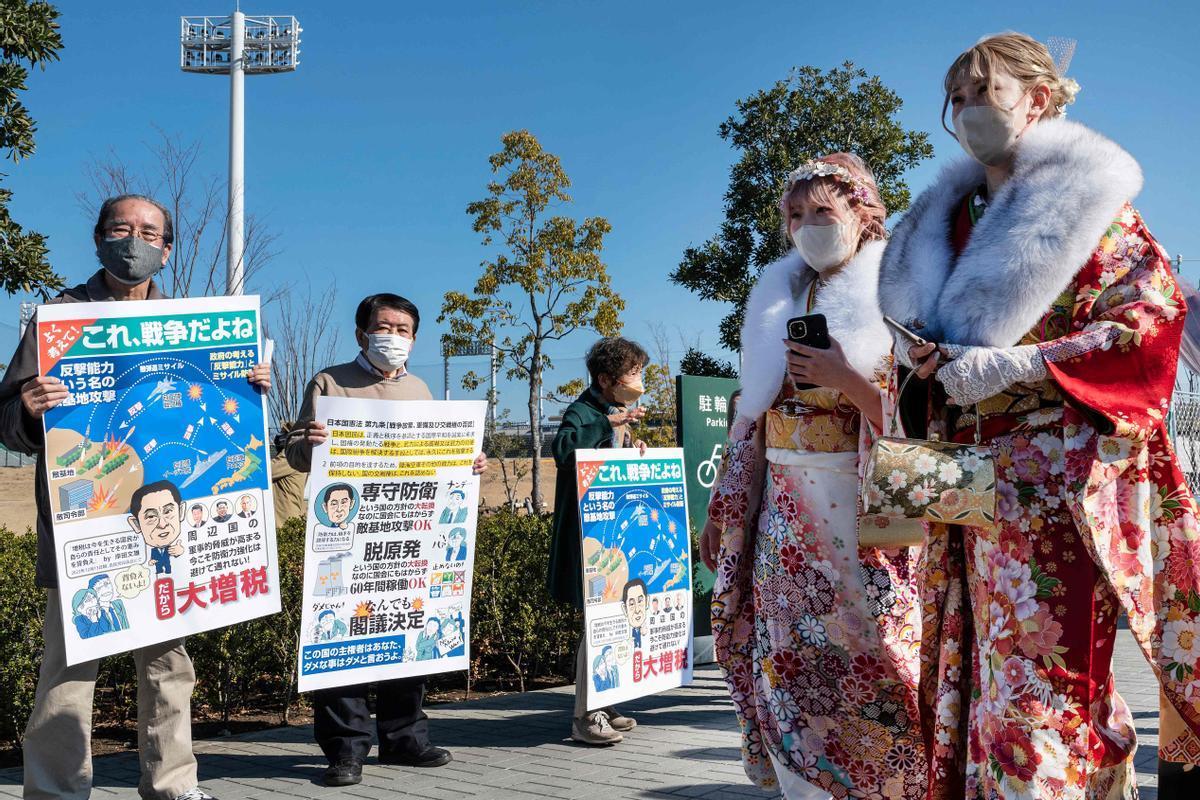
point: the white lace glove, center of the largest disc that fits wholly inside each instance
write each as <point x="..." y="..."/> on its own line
<point x="900" y="348"/>
<point x="977" y="373"/>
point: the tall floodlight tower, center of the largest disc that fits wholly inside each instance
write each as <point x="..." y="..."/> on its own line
<point x="238" y="46"/>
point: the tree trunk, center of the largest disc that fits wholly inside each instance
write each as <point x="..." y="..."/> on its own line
<point x="535" y="424"/>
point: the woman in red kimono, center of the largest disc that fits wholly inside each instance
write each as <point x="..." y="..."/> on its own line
<point x="1059" y="322"/>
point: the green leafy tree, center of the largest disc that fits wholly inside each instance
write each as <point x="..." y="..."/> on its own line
<point x="28" y="37"/>
<point x="775" y="130"/>
<point x="547" y="281"/>
<point x="695" y="362"/>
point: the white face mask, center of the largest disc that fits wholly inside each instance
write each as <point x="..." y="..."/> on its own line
<point x="388" y="352"/>
<point x="824" y="247"/>
<point x="987" y="133"/>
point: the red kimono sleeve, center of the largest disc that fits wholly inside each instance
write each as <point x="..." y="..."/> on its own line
<point x="1128" y="318"/>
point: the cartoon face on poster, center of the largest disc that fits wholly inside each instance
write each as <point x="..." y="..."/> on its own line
<point x="159" y="493"/>
<point x="389" y="552"/>
<point x="636" y="572"/>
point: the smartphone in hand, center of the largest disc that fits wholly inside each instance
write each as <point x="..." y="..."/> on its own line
<point x="811" y="330"/>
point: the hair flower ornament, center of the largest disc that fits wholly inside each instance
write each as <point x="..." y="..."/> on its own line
<point x="823" y="169"/>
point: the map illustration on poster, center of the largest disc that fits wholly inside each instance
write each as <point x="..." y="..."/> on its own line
<point x="637" y="581"/>
<point x="156" y="464"/>
<point x="390" y="546"/>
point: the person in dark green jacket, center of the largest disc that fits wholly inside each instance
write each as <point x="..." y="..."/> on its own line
<point x="600" y="418"/>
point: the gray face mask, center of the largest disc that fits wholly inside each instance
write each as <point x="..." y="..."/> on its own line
<point x="130" y="260"/>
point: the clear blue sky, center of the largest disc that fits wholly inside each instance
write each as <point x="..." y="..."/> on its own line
<point x="365" y="158"/>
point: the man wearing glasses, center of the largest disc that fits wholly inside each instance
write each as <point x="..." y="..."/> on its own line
<point x="133" y="237"/>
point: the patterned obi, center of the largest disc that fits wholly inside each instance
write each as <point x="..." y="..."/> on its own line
<point x="1009" y="409"/>
<point x="817" y="420"/>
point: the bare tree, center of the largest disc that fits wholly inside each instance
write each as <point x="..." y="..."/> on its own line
<point x="660" y="342"/>
<point x="197" y="205"/>
<point x="305" y="343"/>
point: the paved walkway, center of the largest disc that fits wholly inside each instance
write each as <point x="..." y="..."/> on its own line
<point x="686" y="745"/>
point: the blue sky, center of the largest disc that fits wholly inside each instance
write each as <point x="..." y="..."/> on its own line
<point x="364" y="159"/>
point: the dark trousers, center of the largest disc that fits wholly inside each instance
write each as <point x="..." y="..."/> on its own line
<point x="342" y="721"/>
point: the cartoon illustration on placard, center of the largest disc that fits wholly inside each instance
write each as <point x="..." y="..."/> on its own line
<point x="154" y="513"/>
<point x="455" y="512"/>
<point x="328" y="628"/>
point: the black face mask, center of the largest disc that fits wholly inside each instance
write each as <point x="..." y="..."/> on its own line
<point x="130" y="260"/>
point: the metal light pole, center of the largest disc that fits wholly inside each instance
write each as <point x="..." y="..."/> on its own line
<point x="234" y="268"/>
<point x="238" y="45"/>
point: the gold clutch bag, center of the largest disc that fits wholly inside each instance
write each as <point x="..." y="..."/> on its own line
<point x="928" y="480"/>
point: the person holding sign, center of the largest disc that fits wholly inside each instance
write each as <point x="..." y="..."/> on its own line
<point x="385" y="329"/>
<point x="133" y="237"/>
<point x="601" y="417"/>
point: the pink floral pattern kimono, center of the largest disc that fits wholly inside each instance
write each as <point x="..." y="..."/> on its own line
<point x="817" y="638"/>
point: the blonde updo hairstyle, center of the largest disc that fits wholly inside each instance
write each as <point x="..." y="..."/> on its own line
<point x="1021" y="56"/>
<point x="830" y="191"/>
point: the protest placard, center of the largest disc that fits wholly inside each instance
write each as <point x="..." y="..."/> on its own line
<point x="156" y="466"/>
<point x="637" y="576"/>
<point x="390" y="545"/>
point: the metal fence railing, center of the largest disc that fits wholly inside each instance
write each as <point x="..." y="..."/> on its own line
<point x="8" y="458"/>
<point x="1183" y="425"/>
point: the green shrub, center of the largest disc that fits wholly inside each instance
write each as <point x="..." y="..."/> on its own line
<point x="518" y="633"/>
<point x="252" y="666"/>
<point x="21" y="608"/>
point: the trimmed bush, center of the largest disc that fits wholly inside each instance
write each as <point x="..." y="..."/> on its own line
<point x="21" y="608"/>
<point x="518" y="633"/>
<point x="252" y="666"/>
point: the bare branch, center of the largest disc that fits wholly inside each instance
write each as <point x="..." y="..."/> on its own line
<point x="306" y="342"/>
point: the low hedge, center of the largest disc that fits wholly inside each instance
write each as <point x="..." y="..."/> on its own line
<point x="519" y="635"/>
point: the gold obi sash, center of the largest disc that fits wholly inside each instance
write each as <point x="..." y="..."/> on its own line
<point x="817" y="420"/>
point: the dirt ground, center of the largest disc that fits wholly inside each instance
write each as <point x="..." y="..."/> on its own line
<point x="493" y="488"/>
<point x="17" y="510"/>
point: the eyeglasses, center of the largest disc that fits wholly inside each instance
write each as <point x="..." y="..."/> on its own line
<point x="149" y="235"/>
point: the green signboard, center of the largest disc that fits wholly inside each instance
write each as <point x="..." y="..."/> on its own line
<point x="702" y="414"/>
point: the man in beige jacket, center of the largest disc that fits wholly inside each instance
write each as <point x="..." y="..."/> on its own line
<point x="385" y="329"/>
<point x="287" y="483"/>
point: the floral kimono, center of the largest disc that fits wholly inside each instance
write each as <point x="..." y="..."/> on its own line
<point x="1093" y="514"/>
<point x="817" y="638"/>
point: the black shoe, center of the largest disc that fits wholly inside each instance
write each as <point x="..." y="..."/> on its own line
<point x="429" y="757"/>
<point x="346" y="772"/>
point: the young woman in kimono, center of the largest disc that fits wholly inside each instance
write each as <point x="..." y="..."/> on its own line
<point x="817" y="638"/>
<point x="1058" y="320"/>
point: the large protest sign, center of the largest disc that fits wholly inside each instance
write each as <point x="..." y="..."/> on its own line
<point x="637" y="572"/>
<point x="163" y="518"/>
<point x="391" y="540"/>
